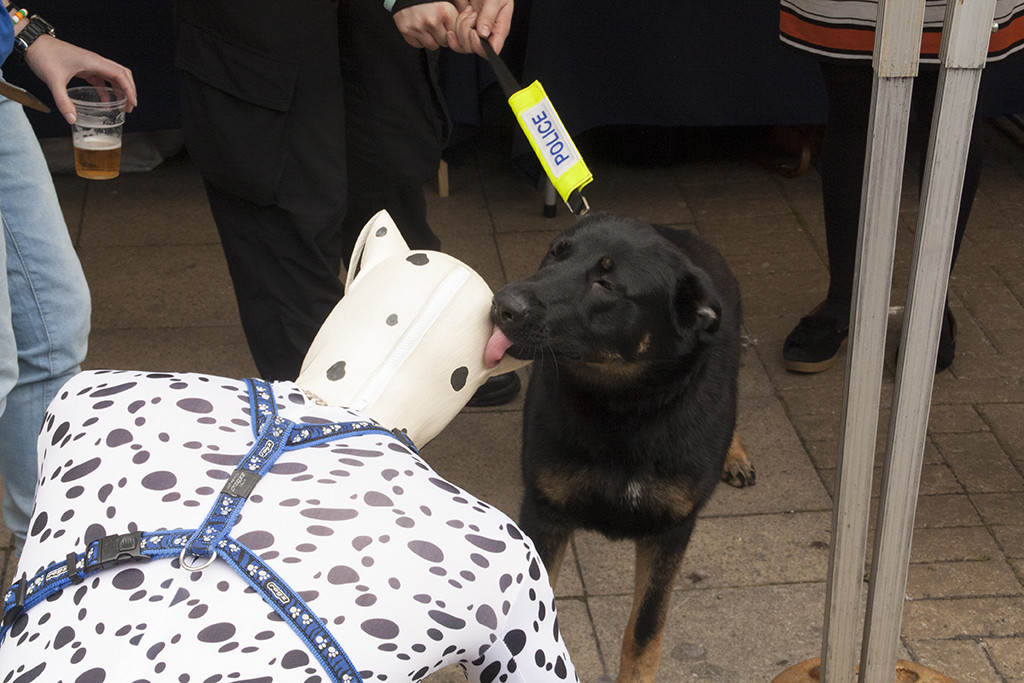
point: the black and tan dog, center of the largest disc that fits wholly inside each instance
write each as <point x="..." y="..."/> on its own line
<point x="631" y="408"/>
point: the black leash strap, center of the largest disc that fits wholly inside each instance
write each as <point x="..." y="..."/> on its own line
<point x="508" y="82"/>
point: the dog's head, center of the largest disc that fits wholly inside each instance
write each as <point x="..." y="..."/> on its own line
<point x="409" y="342"/>
<point x="612" y="295"/>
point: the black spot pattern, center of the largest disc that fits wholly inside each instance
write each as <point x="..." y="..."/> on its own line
<point x="411" y="573"/>
<point x="336" y="371"/>
<point x="459" y="377"/>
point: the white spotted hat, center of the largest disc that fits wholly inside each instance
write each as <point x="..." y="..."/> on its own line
<point x="406" y="344"/>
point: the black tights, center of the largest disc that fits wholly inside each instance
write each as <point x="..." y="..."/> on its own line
<point x="844" y="146"/>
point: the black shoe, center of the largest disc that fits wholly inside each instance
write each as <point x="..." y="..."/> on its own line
<point x="815" y="343"/>
<point x="496" y="391"/>
<point x="947" y="342"/>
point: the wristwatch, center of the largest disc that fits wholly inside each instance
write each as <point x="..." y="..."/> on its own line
<point x="35" y="27"/>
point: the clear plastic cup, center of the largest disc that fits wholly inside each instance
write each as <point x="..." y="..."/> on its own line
<point x="96" y="134"/>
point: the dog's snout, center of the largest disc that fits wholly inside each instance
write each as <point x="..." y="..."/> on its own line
<point x="509" y="307"/>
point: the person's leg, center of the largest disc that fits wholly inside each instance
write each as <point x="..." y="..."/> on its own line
<point x="285" y="276"/>
<point x="844" y="147"/>
<point x="18" y="476"/>
<point x="814" y="344"/>
<point x="49" y="308"/>
<point x="263" y="116"/>
<point x="396" y="124"/>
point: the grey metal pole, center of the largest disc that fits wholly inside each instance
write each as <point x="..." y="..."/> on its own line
<point x="965" y="39"/>
<point x="897" y="40"/>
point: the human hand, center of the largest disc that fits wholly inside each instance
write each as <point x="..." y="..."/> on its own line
<point x="427" y="25"/>
<point x="490" y="20"/>
<point x="56" y="62"/>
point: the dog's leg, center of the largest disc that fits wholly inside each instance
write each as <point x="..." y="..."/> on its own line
<point x="658" y="559"/>
<point x="553" y="562"/>
<point x="550" y="538"/>
<point x="737" y="470"/>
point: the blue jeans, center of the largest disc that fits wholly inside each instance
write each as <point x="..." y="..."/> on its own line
<point x="44" y="309"/>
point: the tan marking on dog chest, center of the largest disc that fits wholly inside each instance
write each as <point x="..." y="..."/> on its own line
<point x="646" y="493"/>
<point x="560" y="486"/>
<point x="675" y="496"/>
<point x="612" y="370"/>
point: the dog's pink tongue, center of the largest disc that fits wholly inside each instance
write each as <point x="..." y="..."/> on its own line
<point x="496" y="347"/>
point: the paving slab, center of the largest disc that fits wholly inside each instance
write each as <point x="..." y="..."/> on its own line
<point x="968" y="661"/>
<point x="159" y="287"/>
<point x="1007" y="655"/>
<point x="982" y="617"/>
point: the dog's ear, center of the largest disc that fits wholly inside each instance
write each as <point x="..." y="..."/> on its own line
<point x="379" y="239"/>
<point x="696" y="308"/>
<point x="710" y="317"/>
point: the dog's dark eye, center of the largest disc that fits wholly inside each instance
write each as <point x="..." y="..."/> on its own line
<point x="606" y="264"/>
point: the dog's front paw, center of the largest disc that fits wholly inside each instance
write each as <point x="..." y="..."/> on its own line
<point x="740" y="474"/>
<point x="737" y="470"/>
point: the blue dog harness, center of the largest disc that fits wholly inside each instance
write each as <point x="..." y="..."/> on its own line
<point x="274" y="435"/>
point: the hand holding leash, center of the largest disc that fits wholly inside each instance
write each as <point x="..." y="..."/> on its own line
<point x="482" y="21"/>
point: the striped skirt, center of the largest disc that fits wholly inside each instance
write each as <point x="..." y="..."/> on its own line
<point x="845" y="29"/>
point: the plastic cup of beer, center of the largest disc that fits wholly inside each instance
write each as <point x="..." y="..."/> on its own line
<point x="96" y="134"/>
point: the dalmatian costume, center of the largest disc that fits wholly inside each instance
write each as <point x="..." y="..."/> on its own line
<point x="402" y="570"/>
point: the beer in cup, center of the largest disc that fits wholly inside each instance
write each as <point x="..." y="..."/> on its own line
<point x="96" y="134"/>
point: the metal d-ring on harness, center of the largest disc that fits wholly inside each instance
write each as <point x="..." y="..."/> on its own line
<point x="274" y="435"/>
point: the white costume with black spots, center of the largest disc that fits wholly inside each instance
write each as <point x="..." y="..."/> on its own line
<point x="409" y="572"/>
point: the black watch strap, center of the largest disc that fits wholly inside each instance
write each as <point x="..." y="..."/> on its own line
<point x="35" y="27"/>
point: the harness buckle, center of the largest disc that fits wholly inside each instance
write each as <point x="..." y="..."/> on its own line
<point x="14" y="611"/>
<point x="121" y="548"/>
<point x="71" y="563"/>
<point x="403" y="436"/>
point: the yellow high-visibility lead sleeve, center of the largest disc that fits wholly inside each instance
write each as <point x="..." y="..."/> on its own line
<point x="551" y="143"/>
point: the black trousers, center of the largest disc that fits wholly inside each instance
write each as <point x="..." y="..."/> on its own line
<point x="301" y="139"/>
<point x="844" y="147"/>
